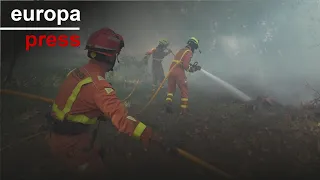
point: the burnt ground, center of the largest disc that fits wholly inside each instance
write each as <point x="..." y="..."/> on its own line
<point x="248" y="144"/>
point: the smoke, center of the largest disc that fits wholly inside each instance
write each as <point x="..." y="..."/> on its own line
<point x="261" y="47"/>
<point x="269" y="55"/>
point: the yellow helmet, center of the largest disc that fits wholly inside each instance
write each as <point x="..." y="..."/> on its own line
<point x="194" y="42"/>
<point x="164" y="42"/>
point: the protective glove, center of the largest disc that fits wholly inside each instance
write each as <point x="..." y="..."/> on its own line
<point x="192" y="68"/>
<point x="198" y="68"/>
<point x="148" y="136"/>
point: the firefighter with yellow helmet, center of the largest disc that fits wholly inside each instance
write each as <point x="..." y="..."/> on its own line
<point x="158" y="54"/>
<point x="178" y="76"/>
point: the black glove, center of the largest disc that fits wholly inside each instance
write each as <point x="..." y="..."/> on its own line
<point x="192" y="69"/>
<point x="198" y="68"/>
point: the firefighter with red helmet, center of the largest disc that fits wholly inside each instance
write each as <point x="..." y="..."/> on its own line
<point x="181" y="63"/>
<point x="158" y="54"/>
<point x="85" y="96"/>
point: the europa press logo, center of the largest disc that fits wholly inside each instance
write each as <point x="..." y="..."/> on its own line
<point x="49" y="15"/>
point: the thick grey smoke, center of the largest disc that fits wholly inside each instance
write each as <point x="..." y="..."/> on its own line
<point x="262" y="47"/>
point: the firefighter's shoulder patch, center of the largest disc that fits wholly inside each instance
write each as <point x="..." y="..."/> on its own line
<point x="108" y="90"/>
<point x="101" y="78"/>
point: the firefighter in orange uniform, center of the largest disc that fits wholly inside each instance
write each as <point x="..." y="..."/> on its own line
<point x="85" y="96"/>
<point x="178" y="76"/>
<point x="158" y="54"/>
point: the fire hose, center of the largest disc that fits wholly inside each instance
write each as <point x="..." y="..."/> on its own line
<point x="161" y="84"/>
<point x="157" y="91"/>
<point x="179" y="151"/>
<point x="47" y="100"/>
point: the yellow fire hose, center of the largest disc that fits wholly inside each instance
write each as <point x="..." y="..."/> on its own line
<point x="157" y="91"/>
<point x="26" y="95"/>
<point x="35" y="97"/>
<point x="203" y="163"/>
<point x="178" y="150"/>
<point x="134" y="88"/>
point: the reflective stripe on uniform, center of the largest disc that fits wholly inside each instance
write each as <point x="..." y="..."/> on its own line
<point x="184" y="106"/>
<point x="184" y="103"/>
<point x="169" y="97"/>
<point x="170" y="94"/>
<point x="62" y="114"/>
<point x="139" y="130"/>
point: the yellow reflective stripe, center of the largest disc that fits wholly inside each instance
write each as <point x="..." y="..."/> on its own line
<point x="183" y="106"/>
<point x="81" y="119"/>
<point x="176" y="61"/>
<point x="169" y="97"/>
<point x="139" y="130"/>
<point x="76" y="118"/>
<point x="61" y="115"/>
<point x="184" y="99"/>
<point x="74" y="94"/>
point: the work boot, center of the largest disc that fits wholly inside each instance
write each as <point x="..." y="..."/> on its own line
<point x="169" y="107"/>
<point x="185" y="111"/>
<point x="169" y="103"/>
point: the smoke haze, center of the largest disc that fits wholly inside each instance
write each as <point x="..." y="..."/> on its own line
<point x="261" y="47"/>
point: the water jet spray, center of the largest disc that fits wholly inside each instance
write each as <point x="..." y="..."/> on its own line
<point x="239" y="94"/>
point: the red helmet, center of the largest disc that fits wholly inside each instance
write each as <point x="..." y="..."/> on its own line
<point x="105" y="41"/>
